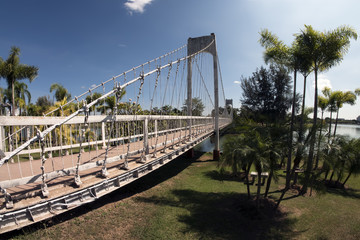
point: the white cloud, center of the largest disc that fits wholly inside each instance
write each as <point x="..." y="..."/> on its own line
<point x="323" y="81"/>
<point x="237" y="82"/>
<point x="92" y="86"/>
<point x="121" y="45"/>
<point x="137" y="5"/>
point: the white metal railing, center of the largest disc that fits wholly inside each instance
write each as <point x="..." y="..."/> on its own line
<point x="17" y="172"/>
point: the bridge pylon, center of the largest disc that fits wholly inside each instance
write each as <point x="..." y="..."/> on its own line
<point x="208" y="44"/>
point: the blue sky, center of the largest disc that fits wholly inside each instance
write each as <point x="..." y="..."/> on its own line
<point x="81" y="43"/>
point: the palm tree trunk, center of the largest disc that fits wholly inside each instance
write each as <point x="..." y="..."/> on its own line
<point x="326" y="174"/>
<point x="299" y="152"/>
<point x="319" y="141"/>
<point x="247" y="181"/>
<point x="347" y="178"/>
<point x="339" y="176"/>
<point x="330" y="121"/>
<point x="301" y="134"/>
<point x="288" y="166"/>
<point x="312" y="140"/>
<point x="332" y="175"/>
<point x="336" y="122"/>
<point x="13" y="97"/>
<point x="268" y="182"/>
<point x="281" y="196"/>
<point x="258" y="190"/>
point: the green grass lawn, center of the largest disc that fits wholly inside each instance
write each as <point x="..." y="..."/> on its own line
<point x="189" y="199"/>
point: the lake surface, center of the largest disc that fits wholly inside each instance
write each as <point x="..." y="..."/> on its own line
<point x="352" y="131"/>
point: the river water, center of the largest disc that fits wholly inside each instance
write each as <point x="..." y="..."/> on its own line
<point x="352" y="131"/>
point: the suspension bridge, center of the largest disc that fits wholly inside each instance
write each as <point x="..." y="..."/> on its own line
<point x="114" y="133"/>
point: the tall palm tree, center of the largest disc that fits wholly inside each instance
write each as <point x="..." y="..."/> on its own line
<point x="12" y="70"/>
<point x="21" y="94"/>
<point x="2" y="102"/>
<point x="325" y="49"/>
<point x="305" y="70"/>
<point x="60" y="92"/>
<point x="294" y="59"/>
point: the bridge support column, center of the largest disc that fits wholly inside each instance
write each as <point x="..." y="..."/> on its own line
<point x="195" y="45"/>
<point x="216" y="153"/>
<point x="146" y="136"/>
<point x="189" y="91"/>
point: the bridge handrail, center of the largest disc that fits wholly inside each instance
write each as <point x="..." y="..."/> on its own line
<point x="63" y="147"/>
<point x="34" y="121"/>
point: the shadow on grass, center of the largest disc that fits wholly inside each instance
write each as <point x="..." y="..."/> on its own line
<point x="351" y="193"/>
<point x="227" y="215"/>
<point x="142" y="184"/>
<point x="322" y="187"/>
<point x="225" y="176"/>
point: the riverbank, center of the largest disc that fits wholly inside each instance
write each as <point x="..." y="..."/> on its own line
<point x="188" y="199"/>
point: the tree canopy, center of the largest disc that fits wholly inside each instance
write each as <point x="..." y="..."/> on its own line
<point x="267" y="93"/>
<point x="198" y="107"/>
<point x="60" y="92"/>
<point x="12" y="70"/>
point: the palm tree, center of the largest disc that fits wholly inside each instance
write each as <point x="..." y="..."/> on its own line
<point x="21" y="93"/>
<point x="276" y="138"/>
<point x="237" y="156"/>
<point x="276" y="51"/>
<point x="305" y="70"/>
<point x="352" y="165"/>
<point x="66" y="110"/>
<point x="60" y="92"/>
<point x="331" y="106"/>
<point x="109" y="103"/>
<point x="261" y="154"/>
<point x="342" y="98"/>
<point x="93" y="97"/>
<point x="2" y="100"/>
<point x="324" y="49"/>
<point x="323" y="104"/>
<point x="335" y="156"/>
<point x="12" y="70"/>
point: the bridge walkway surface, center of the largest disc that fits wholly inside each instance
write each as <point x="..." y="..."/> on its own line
<point x="30" y="206"/>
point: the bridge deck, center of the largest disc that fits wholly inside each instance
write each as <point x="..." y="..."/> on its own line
<point x="57" y="164"/>
<point x="30" y="206"/>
